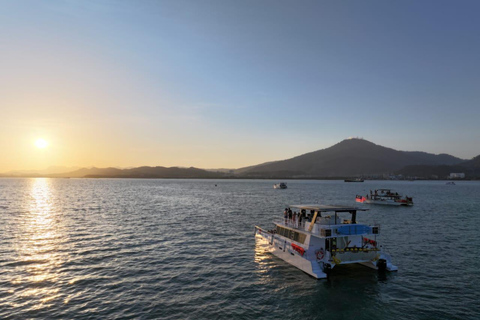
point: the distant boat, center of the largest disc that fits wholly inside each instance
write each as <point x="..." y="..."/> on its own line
<point x="354" y="180"/>
<point x="385" y="197"/>
<point x="280" y="185"/>
<point x="451" y="183"/>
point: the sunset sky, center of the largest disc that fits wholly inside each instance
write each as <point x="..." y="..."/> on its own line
<point x="227" y="84"/>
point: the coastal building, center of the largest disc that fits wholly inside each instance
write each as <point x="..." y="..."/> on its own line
<point x="456" y="176"/>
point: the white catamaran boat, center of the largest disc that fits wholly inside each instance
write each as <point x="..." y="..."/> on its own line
<point x="385" y="196"/>
<point x="322" y="239"/>
<point x="280" y="185"/>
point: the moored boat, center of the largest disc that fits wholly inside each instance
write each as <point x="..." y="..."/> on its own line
<point x="385" y="197"/>
<point x="354" y="180"/>
<point x="326" y="237"/>
<point x="280" y="185"/>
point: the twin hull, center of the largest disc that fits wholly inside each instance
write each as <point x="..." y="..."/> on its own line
<point x="315" y="260"/>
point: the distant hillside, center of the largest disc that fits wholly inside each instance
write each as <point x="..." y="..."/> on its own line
<point x="48" y="171"/>
<point x="471" y="168"/>
<point x="141" y="172"/>
<point x="352" y="157"/>
<point x="427" y="172"/>
<point x="474" y="163"/>
<point x="348" y="158"/>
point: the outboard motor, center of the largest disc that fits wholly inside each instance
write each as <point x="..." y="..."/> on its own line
<point x="382" y="265"/>
<point x="327" y="268"/>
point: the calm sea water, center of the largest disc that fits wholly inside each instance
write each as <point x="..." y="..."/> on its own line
<point x="184" y="249"/>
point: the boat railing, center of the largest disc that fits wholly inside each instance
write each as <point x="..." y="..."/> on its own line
<point x="331" y="230"/>
<point x="294" y="225"/>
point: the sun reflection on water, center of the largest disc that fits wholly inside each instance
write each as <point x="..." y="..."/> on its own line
<point x="263" y="261"/>
<point x="38" y="247"/>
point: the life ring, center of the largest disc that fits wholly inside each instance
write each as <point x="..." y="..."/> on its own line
<point x="320" y="254"/>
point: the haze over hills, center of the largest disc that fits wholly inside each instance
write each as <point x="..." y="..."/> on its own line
<point x="141" y="172"/>
<point x="471" y="168"/>
<point x="348" y="158"/>
<point x="474" y="163"/>
<point x="48" y="171"/>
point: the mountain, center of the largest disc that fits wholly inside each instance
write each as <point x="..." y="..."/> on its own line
<point x="351" y="157"/>
<point x="141" y="172"/>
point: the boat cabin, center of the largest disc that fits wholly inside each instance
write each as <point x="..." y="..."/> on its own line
<point x="337" y="225"/>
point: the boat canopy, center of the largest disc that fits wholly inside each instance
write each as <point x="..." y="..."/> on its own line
<point x="324" y="208"/>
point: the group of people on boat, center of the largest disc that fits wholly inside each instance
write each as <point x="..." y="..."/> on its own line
<point x="386" y="193"/>
<point x="297" y="219"/>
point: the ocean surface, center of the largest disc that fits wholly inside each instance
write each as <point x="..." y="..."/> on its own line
<point x="185" y="249"/>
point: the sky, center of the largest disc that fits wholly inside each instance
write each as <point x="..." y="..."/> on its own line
<point x="228" y="84"/>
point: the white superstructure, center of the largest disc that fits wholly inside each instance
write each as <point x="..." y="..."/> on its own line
<point x="280" y="185"/>
<point x="319" y="237"/>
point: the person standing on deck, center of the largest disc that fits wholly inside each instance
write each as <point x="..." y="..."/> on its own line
<point x="294" y="218"/>
<point x="285" y="215"/>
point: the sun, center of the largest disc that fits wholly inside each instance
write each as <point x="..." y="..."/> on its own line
<point x="41" y="143"/>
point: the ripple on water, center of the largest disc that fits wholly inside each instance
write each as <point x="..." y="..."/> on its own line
<point x="184" y="249"/>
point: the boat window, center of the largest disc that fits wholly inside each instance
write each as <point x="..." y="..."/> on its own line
<point x="291" y="234"/>
<point x="295" y="236"/>
<point x="283" y="232"/>
<point x="279" y="230"/>
<point x="301" y="238"/>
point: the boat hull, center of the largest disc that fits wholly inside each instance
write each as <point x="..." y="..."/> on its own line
<point x="286" y="253"/>
<point x="388" y="203"/>
<point x="309" y="262"/>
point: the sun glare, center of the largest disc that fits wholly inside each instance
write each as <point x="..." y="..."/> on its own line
<point x="41" y="143"/>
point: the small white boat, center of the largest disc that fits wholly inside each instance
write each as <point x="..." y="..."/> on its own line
<point x="385" y="197"/>
<point x="280" y="185"/>
<point x="354" y="180"/>
<point x="322" y="239"/>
